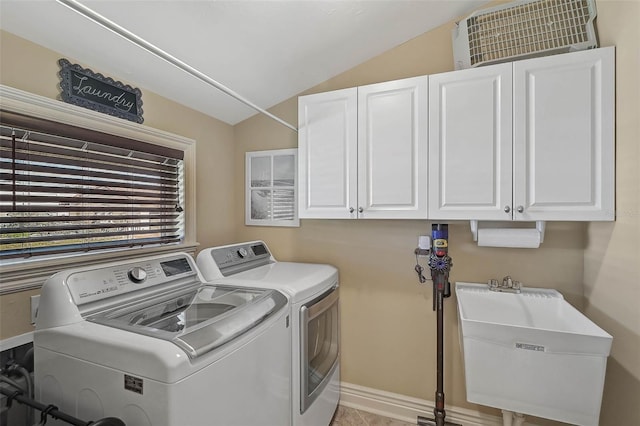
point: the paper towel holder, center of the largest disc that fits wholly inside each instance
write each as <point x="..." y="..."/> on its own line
<point x="540" y="227"/>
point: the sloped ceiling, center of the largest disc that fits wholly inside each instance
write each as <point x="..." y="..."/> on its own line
<point x="266" y="51"/>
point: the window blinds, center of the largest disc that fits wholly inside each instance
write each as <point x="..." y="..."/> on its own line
<point x="65" y="189"/>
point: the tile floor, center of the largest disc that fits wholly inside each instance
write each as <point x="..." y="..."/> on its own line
<point x="351" y="417"/>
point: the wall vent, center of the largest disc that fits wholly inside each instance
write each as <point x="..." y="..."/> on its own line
<point x="524" y="29"/>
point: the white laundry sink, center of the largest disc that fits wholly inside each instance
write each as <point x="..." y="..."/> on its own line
<point x="531" y="353"/>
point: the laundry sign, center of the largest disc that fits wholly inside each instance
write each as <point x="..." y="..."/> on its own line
<point x="82" y="87"/>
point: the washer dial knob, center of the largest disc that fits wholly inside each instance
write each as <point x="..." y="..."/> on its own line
<point x="242" y="252"/>
<point x="137" y="274"/>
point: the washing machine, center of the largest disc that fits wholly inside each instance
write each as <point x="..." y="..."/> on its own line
<point x="314" y="299"/>
<point x="150" y="342"/>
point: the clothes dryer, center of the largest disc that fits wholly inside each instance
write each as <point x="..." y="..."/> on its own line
<point x="150" y="342"/>
<point x="315" y="342"/>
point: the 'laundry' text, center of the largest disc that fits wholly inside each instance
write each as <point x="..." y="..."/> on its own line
<point x="84" y="89"/>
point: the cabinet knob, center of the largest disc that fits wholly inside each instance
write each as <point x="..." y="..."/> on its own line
<point x="520" y="209"/>
<point x="507" y="209"/>
<point x="351" y="209"/>
<point x="360" y="209"/>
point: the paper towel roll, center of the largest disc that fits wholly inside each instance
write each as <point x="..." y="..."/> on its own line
<point x="509" y="237"/>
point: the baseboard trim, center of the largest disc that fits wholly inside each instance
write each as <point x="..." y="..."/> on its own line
<point x="406" y="408"/>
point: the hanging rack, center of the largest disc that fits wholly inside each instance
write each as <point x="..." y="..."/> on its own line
<point x="140" y="42"/>
<point x="52" y="410"/>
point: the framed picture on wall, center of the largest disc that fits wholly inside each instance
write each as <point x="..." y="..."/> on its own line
<point x="271" y="197"/>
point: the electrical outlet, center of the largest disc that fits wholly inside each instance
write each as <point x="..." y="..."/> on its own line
<point x="35" y="302"/>
<point x="424" y="245"/>
<point x="424" y="242"/>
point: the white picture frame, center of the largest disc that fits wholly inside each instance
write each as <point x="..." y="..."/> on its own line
<point x="271" y="193"/>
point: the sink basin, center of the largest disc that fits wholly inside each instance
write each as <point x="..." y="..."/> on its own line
<point x="531" y="353"/>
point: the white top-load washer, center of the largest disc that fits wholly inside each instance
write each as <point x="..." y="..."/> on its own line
<point x="315" y="344"/>
<point x="148" y="341"/>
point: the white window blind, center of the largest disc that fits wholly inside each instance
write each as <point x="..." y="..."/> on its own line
<point x="66" y="189"/>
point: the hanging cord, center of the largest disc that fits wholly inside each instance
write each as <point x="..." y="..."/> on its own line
<point x="13" y="167"/>
<point x="419" y="270"/>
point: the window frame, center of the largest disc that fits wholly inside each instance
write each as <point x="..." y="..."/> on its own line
<point x="20" y="274"/>
<point x="295" y="222"/>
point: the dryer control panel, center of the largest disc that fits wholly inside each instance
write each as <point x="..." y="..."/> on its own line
<point x="241" y="257"/>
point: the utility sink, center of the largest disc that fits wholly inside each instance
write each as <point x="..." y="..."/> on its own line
<point x="532" y="353"/>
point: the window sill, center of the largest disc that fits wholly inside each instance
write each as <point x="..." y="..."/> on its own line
<point x="31" y="274"/>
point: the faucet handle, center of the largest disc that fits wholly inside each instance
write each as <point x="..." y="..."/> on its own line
<point x="493" y="283"/>
<point x="507" y="282"/>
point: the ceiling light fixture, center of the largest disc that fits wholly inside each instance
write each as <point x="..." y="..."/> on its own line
<point x="140" y="42"/>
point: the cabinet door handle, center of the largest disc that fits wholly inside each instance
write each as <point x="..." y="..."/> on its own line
<point x="520" y="209"/>
<point x="507" y="209"/>
<point x="360" y="209"/>
<point x="351" y="210"/>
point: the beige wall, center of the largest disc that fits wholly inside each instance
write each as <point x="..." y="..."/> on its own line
<point x="388" y="327"/>
<point x="612" y="256"/>
<point x="34" y="69"/>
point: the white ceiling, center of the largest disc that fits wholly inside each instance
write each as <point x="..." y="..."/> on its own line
<point x="267" y="51"/>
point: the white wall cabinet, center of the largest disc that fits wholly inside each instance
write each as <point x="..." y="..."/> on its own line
<point x="362" y="152"/>
<point x="471" y="143"/>
<point x="327" y="154"/>
<point x="529" y="140"/>
<point x="564" y="150"/>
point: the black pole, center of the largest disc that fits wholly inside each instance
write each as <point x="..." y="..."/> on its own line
<point x="439" y="411"/>
<point x="440" y="264"/>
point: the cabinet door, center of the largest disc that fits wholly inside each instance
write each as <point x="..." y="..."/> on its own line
<point x="392" y="149"/>
<point x="563" y="137"/>
<point x="470" y="144"/>
<point x="327" y="154"/>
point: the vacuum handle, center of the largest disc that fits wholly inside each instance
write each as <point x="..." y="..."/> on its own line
<point x="435" y="295"/>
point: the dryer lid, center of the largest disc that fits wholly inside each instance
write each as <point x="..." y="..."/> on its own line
<point x="196" y="320"/>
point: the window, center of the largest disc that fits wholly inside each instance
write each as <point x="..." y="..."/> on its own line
<point x="78" y="187"/>
<point x="271" y="195"/>
<point x="64" y="189"/>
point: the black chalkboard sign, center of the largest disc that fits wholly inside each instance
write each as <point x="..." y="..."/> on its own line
<point x="82" y="87"/>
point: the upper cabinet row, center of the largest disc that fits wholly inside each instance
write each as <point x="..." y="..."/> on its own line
<point x="528" y="140"/>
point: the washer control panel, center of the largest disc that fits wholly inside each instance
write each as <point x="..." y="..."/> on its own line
<point x="101" y="283"/>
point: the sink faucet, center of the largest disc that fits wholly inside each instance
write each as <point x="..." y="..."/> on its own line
<point x="508" y="285"/>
